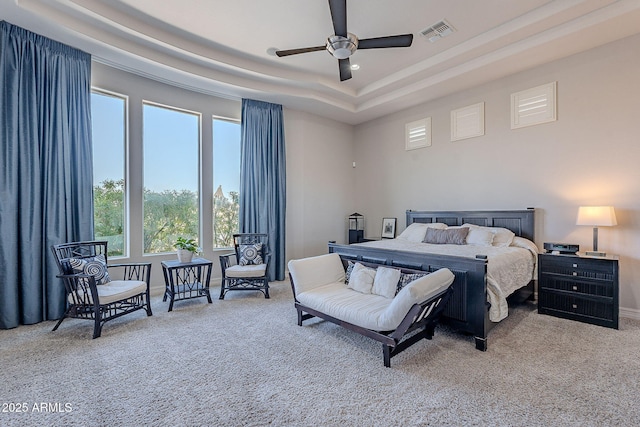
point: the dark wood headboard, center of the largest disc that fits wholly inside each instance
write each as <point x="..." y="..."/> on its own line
<point x="521" y="222"/>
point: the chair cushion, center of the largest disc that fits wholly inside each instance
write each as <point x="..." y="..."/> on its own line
<point x="93" y="266"/>
<point x="246" y="271"/>
<point x="250" y="254"/>
<point x="116" y="290"/>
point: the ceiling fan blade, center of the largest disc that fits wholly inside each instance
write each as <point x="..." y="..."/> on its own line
<point x="345" y="69"/>
<point x="339" y="16"/>
<point x="301" y="50"/>
<point x="402" y="40"/>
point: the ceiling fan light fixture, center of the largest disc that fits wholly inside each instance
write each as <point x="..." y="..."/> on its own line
<point x="342" y="47"/>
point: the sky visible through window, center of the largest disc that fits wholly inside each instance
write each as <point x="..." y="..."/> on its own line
<point x="108" y="137"/>
<point x="170" y="132"/>
<point x="226" y="155"/>
<point x="171" y="140"/>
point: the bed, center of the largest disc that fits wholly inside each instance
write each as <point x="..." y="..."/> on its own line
<point x="479" y="297"/>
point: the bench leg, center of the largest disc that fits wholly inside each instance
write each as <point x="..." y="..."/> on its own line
<point x="386" y="355"/>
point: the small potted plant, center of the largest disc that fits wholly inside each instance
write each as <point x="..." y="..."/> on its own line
<point x="186" y="249"/>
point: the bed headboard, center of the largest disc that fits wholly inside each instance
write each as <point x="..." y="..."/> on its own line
<point x="521" y="222"/>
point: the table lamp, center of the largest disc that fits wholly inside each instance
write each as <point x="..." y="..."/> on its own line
<point x="596" y="216"/>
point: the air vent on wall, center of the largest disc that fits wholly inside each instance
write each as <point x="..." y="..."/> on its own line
<point x="437" y="31"/>
<point x="418" y="134"/>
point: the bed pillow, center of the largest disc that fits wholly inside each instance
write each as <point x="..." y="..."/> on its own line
<point x="479" y="236"/>
<point x="521" y="242"/>
<point x="450" y="236"/>
<point x="502" y="237"/>
<point x="385" y="283"/>
<point x="416" y="231"/>
<point x="361" y="278"/>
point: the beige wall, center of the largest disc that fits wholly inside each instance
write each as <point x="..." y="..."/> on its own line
<point x="319" y="182"/>
<point x="589" y="156"/>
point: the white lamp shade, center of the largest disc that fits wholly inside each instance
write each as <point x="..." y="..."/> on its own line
<point x="596" y="216"/>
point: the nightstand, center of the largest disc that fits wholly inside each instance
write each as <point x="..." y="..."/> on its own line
<point x="579" y="287"/>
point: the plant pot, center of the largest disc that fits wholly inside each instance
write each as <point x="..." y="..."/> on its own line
<point x="184" y="255"/>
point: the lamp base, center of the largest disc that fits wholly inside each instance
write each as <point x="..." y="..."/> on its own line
<point x="595" y="253"/>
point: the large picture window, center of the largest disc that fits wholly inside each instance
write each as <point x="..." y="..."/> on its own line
<point x="108" y="121"/>
<point x="171" y="139"/>
<point x="226" y="181"/>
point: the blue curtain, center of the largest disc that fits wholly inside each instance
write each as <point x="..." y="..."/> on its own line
<point x="263" y="178"/>
<point x="46" y="190"/>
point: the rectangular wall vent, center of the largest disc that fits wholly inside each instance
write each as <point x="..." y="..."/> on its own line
<point x="533" y="106"/>
<point x="437" y="31"/>
<point x="418" y="134"/>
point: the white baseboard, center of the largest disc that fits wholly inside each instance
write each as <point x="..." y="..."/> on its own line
<point x="630" y="313"/>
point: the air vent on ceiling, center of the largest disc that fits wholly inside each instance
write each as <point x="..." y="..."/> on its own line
<point x="437" y="31"/>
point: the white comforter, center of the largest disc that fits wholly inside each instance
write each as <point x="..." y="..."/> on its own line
<point x="508" y="269"/>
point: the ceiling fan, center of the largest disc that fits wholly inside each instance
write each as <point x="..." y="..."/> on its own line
<point x="343" y="44"/>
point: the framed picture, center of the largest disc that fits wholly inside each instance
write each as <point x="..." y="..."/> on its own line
<point x="388" y="228"/>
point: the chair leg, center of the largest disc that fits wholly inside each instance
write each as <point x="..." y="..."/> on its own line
<point x="222" y="288"/>
<point x="97" y="326"/>
<point x="266" y="288"/>
<point x="64" y="316"/>
<point x="148" y="309"/>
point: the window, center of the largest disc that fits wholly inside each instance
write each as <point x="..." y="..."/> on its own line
<point x="171" y="139"/>
<point x="226" y="181"/>
<point x="108" y="121"/>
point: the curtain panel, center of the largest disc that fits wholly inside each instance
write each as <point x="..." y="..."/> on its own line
<point x="263" y="178"/>
<point x="46" y="169"/>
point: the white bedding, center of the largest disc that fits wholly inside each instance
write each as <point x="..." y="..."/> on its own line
<point x="509" y="268"/>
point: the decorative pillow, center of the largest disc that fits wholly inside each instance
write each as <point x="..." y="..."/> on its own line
<point x="416" y="231"/>
<point x="347" y="272"/>
<point x="450" y="236"/>
<point x="502" y="237"/>
<point x="361" y="278"/>
<point x="250" y="254"/>
<point x="385" y="283"/>
<point x="93" y="266"/>
<point x="406" y="278"/>
<point x="479" y="236"/>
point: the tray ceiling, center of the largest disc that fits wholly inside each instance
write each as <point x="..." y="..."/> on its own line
<point x="222" y="47"/>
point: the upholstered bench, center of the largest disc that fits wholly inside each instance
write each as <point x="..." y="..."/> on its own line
<point x="371" y="307"/>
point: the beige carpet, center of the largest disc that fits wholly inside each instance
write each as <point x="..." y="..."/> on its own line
<point x="245" y="362"/>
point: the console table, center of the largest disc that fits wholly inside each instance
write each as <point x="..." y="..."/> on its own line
<point x="186" y="280"/>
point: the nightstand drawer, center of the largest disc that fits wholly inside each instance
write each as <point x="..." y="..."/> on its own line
<point x="576" y="285"/>
<point x="579" y="267"/>
<point x="577" y="308"/>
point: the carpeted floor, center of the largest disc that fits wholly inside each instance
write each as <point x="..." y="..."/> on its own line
<point x="245" y="362"/>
